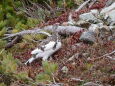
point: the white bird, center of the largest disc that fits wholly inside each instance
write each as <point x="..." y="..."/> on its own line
<point x="46" y="48"/>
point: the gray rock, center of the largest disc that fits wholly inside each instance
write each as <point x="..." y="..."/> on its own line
<point x="108" y="9"/>
<point x="109" y="2"/>
<point x="91" y="16"/>
<point x="94" y="28"/>
<point x="109" y="13"/>
<point x="88" y="37"/>
<point x="111" y="17"/>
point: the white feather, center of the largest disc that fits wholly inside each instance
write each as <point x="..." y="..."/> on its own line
<point x="48" y="51"/>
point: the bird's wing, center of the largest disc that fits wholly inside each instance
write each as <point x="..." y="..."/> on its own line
<point x="35" y="51"/>
<point x="50" y="45"/>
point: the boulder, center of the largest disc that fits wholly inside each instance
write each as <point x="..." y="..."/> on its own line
<point x="91" y="16"/>
<point x="109" y="13"/>
<point x="88" y="37"/>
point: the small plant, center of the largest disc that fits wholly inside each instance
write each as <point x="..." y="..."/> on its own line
<point x="49" y="70"/>
<point x="2" y="84"/>
<point x="8" y="64"/>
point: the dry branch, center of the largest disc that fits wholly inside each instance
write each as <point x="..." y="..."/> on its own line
<point x="82" y="5"/>
<point x="34" y="31"/>
<point x="107" y="55"/>
<point x="64" y="29"/>
<point x="61" y="30"/>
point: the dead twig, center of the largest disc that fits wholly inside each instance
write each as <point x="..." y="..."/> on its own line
<point x="82" y="5"/>
<point x="106" y="55"/>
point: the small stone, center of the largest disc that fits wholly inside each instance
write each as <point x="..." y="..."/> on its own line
<point x="64" y="69"/>
<point x="86" y="54"/>
<point x="88" y="37"/>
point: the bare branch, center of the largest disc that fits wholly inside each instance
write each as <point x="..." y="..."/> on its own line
<point x="61" y="30"/>
<point x="35" y="31"/>
<point x="107" y="55"/>
<point x="82" y="5"/>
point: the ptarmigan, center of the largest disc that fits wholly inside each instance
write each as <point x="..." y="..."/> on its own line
<point x="47" y="47"/>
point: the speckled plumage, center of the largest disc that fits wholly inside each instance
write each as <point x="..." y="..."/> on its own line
<point x="46" y="48"/>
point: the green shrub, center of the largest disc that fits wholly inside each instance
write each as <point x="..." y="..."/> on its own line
<point x="49" y="70"/>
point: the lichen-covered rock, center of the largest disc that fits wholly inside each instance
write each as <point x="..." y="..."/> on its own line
<point x="94" y="28"/>
<point x="91" y="16"/>
<point x="109" y="13"/>
<point x="88" y="37"/>
<point x="108" y="9"/>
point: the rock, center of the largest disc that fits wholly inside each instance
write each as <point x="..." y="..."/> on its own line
<point x="91" y="16"/>
<point x="94" y="28"/>
<point x="109" y="2"/>
<point x="111" y="17"/>
<point x="105" y="31"/>
<point x="108" y="9"/>
<point x="65" y="69"/>
<point x="112" y="28"/>
<point x="88" y="37"/>
<point x="82" y="23"/>
<point x="109" y="13"/>
<point x="95" y="12"/>
<point x="73" y="57"/>
<point x="112" y="38"/>
<point x="86" y="55"/>
<point x="91" y="84"/>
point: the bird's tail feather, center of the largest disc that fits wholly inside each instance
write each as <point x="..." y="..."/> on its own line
<point x="30" y="60"/>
